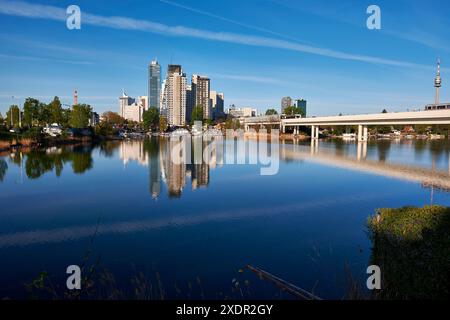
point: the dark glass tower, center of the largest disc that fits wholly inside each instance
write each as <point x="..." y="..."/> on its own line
<point x="154" y="84"/>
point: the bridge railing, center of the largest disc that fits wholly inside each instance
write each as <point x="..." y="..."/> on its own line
<point x="272" y="118"/>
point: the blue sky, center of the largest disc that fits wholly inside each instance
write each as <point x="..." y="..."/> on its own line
<point x="255" y="51"/>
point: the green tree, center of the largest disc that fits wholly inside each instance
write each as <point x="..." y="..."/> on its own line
<point x="163" y="124"/>
<point x="271" y="112"/>
<point x="65" y="121"/>
<point x="384" y="111"/>
<point x="151" y="118"/>
<point x="31" y="112"/>
<point x="80" y="115"/>
<point x="421" y="128"/>
<point x="1" y="119"/>
<point x="12" y="116"/>
<point x="44" y="114"/>
<point x="384" y="129"/>
<point x="293" y="110"/>
<point x="104" y="129"/>
<point x="56" y="111"/>
<point x="232" y="124"/>
<point x="197" y="114"/>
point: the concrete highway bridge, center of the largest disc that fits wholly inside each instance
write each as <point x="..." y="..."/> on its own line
<point x="362" y="121"/>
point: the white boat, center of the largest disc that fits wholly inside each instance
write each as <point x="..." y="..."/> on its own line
<point x="396" y="133"/>
<point x="180" y="133"/>
<point x="436" y="136"/>
<point x="384" y="136"/>
<point x="52" y="130"/>
<point x="349" y="136"/>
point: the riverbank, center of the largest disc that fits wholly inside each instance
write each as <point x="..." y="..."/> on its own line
<point x="19" y="142"/>
<point x="412" y="248"/>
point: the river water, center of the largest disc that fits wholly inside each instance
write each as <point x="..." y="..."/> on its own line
<point x="189" y="230"/>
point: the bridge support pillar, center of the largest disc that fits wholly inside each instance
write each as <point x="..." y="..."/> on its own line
<point x="317" y="133"/>
<point x="363" y="133"/>
<point x="313" y="132"/>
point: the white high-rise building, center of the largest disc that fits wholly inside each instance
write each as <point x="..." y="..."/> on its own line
<point x="163" y="100"/>
<point x="173" y="103"/>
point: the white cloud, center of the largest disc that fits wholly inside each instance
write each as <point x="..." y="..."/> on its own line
<point x="245" y="78"/>
<point x="25" y="9"/>
<point x="33" y="58"/>
<point x="238" y="23"/>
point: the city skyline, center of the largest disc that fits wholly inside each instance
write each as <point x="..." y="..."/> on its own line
<point x="175" y="98"/>
<point x="254" y="66"/>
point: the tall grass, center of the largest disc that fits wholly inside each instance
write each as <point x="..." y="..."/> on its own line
<point x="412" y="248"/>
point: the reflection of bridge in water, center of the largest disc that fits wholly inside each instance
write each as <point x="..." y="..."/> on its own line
<point x="427" y="177"/>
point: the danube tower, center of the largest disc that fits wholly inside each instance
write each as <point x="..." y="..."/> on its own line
<point x="437" y="81"/>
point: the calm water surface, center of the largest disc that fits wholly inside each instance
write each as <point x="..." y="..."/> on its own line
<point x="196" y="226"/>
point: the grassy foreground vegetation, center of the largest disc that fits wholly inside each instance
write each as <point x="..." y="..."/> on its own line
<point x="412" y="248"/>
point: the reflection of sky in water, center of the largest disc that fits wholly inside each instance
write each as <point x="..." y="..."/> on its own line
<point x="303" y="224"/>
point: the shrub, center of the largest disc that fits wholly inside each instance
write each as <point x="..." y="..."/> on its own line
<point x="34" y="133"/>
<point x="412" y="248"/>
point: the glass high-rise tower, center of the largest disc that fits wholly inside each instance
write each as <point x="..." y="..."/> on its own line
<point x="154" y="84"/>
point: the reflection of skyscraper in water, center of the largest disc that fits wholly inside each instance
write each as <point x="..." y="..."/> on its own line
<point x="154" y="169"/>
<point x="199" y="169"/>
<point x="133" y="150"/>
<point x="199" y="175"/>
<point x="173" y="172"/>
<point x="189" y="162"/>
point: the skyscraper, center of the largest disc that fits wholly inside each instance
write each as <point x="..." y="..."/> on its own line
<point x="301" y="103"/>
<point x="154" y="84"/>
<point x="174" y="98"/>
<point x="285" y="102"/>
<point x="217" y="104"/>
<point x="201" y="92"/>
<point x="189" y="103"/>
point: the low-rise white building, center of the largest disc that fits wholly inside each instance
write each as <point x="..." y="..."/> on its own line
<point x="245" y="112"/>
<point x="132" y="109"/>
